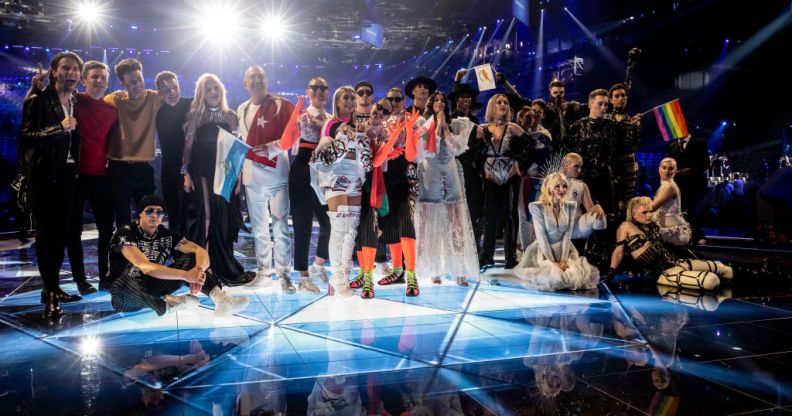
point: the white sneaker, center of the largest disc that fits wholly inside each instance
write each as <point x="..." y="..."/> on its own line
<point x="307" y="285"/>
<point x="261" y="280"/>
<point x="226" y="304"/>
<point x="340" y="286"/>
<point x="179" y="303"/>
<point x="318" y="272"/>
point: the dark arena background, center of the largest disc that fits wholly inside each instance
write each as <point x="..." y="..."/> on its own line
<point x="657" y="337"/>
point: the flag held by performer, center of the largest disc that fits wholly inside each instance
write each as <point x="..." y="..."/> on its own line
<point x="231" y="153"/>
<point x="485" y="77"/>
<point x="291" y="133"/>
<point x="671" y="121"/>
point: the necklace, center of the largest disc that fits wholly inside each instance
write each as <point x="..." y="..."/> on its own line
<point x="215" y="115"/>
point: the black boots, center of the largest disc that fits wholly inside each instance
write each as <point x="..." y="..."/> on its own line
<point x="62" y="296"/>
<point x="51" y="303"/>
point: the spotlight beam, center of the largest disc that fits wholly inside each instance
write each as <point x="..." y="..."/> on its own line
<point x="475" y="53"/>
<point x="459" y="45"/>
<point x="536" y="86"/>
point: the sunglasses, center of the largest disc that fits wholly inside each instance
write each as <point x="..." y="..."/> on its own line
<point x="384" y="110"/>
<point x="315" y="88"/>
<point x="151" y="212"/>
<point x="395" y="99"/>
<point x="362" y="92"/>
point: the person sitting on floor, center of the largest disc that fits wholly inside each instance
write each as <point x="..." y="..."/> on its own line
<point x="639" y="236"/>
<point x="140" y="279"/>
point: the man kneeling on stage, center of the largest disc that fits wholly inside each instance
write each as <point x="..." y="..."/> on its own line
<point x="140" y="279"/>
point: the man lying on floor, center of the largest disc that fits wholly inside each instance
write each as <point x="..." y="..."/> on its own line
<point x="139" y="277"/>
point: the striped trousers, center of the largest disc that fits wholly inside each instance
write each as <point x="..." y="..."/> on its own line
<point x="133" y="293"/>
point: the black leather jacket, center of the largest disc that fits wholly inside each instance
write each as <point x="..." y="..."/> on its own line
<point x="43" y="144"/>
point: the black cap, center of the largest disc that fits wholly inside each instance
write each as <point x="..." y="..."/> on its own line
<point x="430" y="84"/>
<point x="364" y="84"/>
<point x="149" y="200"/>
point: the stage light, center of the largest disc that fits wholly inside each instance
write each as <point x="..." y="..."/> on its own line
<point x="88" y="12"/>
<point x="90" y="345"/>
<point x="274" y="28"/>
<point x="219" y="23"/>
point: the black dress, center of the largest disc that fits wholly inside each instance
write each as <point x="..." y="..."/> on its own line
<point x="225" y="217"/>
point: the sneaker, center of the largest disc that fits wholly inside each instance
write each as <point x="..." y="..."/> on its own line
<point x="179" y="303"/>
<point x="261" y="280"/>
<point x="286" y="284"/>
<point x="318" y="272"/>
<point x="307" y="285"/>
<point x="226" y="304"/>
<point x="340" y="286"/>
<point x="461" y="281"/>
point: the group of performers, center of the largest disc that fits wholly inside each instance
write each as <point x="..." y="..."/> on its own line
<point x="427" y="183"/>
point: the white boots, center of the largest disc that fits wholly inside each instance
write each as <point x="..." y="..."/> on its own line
<point x="343" y="231"/>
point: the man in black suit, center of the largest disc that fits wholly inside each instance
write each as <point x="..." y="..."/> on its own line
<point x="693" y="161"/>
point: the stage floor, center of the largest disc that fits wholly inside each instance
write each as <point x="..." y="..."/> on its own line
<point x="491" y="348"/>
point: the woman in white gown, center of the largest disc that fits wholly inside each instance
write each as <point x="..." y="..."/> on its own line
<point x="445" y="242"/>
<point x="552" y="262"/>
<point x="667" y="206"/>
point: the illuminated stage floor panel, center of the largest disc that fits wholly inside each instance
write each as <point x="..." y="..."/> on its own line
<point x="496" y="348"/>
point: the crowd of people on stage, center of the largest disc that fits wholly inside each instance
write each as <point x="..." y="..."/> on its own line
<point x="429" y="183"/>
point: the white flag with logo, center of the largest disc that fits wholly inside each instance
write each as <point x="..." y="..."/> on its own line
<point x="485" y="77"/>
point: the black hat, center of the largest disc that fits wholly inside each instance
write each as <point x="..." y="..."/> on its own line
<point x="364" y="84"/>
<point x="420" y="79"/>
<point x="149" y="200"/>
<point x="465" y="90"/>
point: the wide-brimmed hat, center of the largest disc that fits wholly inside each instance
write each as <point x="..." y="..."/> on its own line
<point x="420" y="79"/>
<point x="465" y="90"/>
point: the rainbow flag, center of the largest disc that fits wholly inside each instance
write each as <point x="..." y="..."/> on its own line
<point x="671" y="121"/>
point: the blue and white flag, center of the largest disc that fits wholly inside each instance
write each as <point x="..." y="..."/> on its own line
<point x="231" y="153"/>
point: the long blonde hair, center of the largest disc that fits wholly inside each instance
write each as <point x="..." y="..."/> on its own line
<point x="198" y="108"/>
<point x="199" y="102"/>
<point x="638" y="201"/>
<point x="548" y="183"/>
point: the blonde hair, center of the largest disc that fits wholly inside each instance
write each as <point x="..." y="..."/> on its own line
<point x="669" y="159"/>
<point x="337" y="95"/>
<point x="490" y="114"/>
<point x="199" y="106"/>
<point x="568" y="158"/>
<point x="548" y="183"/>
<point x="638" y="201"/>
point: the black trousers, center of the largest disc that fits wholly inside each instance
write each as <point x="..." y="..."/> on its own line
<point x="305" y="205"/>
<point x="130" y="182"/>
<point x="172" y="192"/>
<point x="51" y="202"/>
<point x="96" y="191"/>
<point x="474" y="195"/>
<point x="500" y="212"/>
<point x="133" y="293"/>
